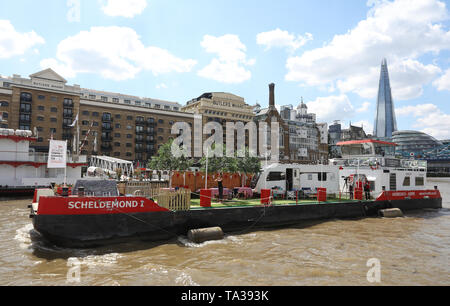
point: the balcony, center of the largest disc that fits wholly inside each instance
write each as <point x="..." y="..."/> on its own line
<point x="107" y="118"/>
<point x="139" y="150"/>
<point x="106" y="147"/>
<point x="107" y="127"/>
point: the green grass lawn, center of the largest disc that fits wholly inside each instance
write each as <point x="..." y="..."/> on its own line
<point x="195" y="203"/>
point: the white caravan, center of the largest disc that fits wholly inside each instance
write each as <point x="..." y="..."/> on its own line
<point x="285" y="178"/>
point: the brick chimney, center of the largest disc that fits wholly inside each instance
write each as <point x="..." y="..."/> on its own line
<point x="271" y="95"/>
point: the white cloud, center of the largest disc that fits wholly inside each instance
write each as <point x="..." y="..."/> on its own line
<point x="13" y="43"/>
<point x="364" y="107"/>
<point x="429" y="119"/>
<point x="162" y="86"/>
<point x="331" y="108"/>
<point x="416" y="110"/>
<point x="230" y="64"/>
<point x="115" y="53"/>
<point x="401" y="31"/>
<point x="282" y="39"/>
<point x="443" y="83"/>
<point x="124" y="8"/>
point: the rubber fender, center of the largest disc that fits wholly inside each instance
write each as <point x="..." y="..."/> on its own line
<point x="391" y="213"/>
<point x="205" y="234"/>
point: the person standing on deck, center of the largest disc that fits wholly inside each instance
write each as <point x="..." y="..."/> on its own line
<point x="367" y="189"/>
<point x="219" y="181"/>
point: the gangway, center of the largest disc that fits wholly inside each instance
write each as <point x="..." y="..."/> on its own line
<point x="111" y="164"/>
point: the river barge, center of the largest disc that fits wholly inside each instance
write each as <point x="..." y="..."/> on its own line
<point x="79" y="221"/>
<point x="96" y="214"/>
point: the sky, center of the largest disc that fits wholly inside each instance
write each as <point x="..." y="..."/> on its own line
<point x="326" y="52"/>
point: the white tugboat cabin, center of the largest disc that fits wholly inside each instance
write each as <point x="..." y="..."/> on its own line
<point x="375" y="161"/>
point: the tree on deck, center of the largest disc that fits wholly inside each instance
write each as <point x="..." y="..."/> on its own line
<point x="165" y="160"/>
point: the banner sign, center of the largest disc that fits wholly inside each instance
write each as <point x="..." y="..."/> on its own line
<point x="57" y="154"/>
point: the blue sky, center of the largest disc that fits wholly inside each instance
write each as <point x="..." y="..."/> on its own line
<point x="328" y="52"/>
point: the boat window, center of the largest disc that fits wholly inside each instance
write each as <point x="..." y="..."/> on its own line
<point x="420" y="181"/>
<point x="276" y="176"/>
<point x="407" y="181"/>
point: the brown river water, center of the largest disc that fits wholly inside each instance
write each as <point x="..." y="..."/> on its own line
<point x="414" y="250"/>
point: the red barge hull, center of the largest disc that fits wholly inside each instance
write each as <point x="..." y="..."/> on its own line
<point x="88" y="222"/>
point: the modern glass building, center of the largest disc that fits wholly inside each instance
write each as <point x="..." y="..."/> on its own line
<point x="414" y="142"/>
<point x="385" y="122"/>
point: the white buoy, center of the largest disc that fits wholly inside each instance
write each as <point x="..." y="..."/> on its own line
<point x="391" y="213"/>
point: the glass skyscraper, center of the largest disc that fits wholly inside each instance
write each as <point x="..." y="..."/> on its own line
<point x="385" y="122"/>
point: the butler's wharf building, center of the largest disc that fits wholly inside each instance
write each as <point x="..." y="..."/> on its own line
<point x="110" y="124"/>
<point x="220" y="107"/>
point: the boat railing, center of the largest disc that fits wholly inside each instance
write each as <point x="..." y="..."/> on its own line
<point x="36" y="157"/>
<point x="376" y="162"/>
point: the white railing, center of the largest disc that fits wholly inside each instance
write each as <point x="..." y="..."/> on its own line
<point x="36" y="157"/>
<point x="372" y="162"/>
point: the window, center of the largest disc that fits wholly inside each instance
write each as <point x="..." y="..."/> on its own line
<point x="68" y="102"/>
<point x="129" y="145"/>
<point x="115" y="100"/>
<point x="41" y="97"/>
<point x="420" y="181"/>
<point x="26" y="97"/>
<point x="322" y="176"/>
<point x="95" y="114"/>
<point x="138" y="103"/>
<point x="104" y="99"/>
<point x="276" y="176"/>
<point x="157" y="106"/>
<point x="85" y="122"/>
<point x="117" y="135"/>
<point x="25" y="107"/>
<point x="4" y="103"/>
<point x="129" y="136"/>
<point x="68" y="112"/>
<point x="407" y="181"/>
<point x="67" y="122"/>
<point x="40" y="118"/>
<point x="52" y="130"/>
<point x="54" y="110"/>
<point x="117" y="125"/>
<point x="85" y="113"/>
<point x="160" y="121"/>
<point x="129" y="117"/>
<point x="117" y="116"/>
<point x="53" y="120"/>
<point x="54" y="99"/>
<point x="127" y="102"/>
<point x="117" y="144"/>
<point x="24" y="127"/>
<point x="129" y="154"/>
<point x="166" y="107"/>
<point x="5" y="115"/>
<point x="92" y="97"/>
<point x="95" y="123"/>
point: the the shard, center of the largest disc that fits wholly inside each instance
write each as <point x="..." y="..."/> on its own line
<point x="385" y="122"/>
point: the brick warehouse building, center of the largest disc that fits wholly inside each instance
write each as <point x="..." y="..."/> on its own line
<point x="126" y="127"/>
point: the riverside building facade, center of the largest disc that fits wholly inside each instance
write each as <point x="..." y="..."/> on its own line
<point x="308" y="140"/>
<point x="111" y="124"/>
